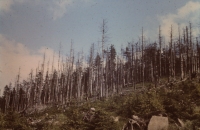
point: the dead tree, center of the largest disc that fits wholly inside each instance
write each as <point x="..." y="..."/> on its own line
<point x="160" y="49"/>
<point x="104" y="39"/>
<point x="142" y="58"/>
<point x="170" y="57"/>
<point x="91" y="64"/>
<point x="180" y="55"/>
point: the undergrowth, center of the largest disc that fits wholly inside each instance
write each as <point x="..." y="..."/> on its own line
<point x="180" y="100"/>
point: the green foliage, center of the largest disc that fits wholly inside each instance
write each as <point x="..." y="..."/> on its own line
<point x="151" y="101"/>
<point x="178" y="101"/>
<point x="182" y="101"/>
<point x="1" y="120"/>
<point x="12" y="120"/>
<point x="101" y="121"/>
<point x="74" y="120"/>
<point x="130" y="106"/>
<point x="141" y="104"/>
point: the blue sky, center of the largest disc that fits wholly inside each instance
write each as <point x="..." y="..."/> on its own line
<point x="28" y="28"/>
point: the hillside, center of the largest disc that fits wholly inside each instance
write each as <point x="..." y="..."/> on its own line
<point x="179" y="100"/>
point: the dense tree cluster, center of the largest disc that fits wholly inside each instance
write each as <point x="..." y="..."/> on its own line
<point x="106" y="72"/>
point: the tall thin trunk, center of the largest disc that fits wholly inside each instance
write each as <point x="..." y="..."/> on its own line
<point x="160" y="44"/>
<point x="142" y="59"/>
<point x="170" y="57"/>
<point x="180" y="55"/>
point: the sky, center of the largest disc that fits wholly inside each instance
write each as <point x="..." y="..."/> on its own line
<point x="30" y="28"/>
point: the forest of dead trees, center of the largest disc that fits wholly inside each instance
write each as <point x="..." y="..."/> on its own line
<point x="106" y="72"/>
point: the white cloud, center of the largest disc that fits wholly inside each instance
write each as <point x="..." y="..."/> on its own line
<point x="60" y="8"/>
<point x="57" y="7"/>
<point x="190" y="7"/>
<point x="14" y="55"/>
<point x="5" y="5"/>
<point x="188" y="13"/>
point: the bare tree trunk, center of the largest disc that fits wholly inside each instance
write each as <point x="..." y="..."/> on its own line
<point x="180" y="55"/>
<point x="170" y="57"/>
<point x="191" y="51"/>
<point x="188" y="54"/>
<point x="160" y="44"/>
<point x="198" y="56"/>
<point x="133" y="66"/>
<point x="151" y="70"/>
<point x="174" y="61"/>
<point x="142" y="59"/>
<point x="91" y="70"/>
